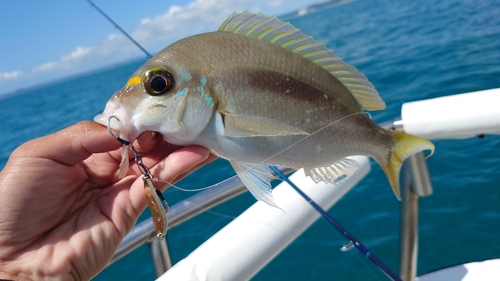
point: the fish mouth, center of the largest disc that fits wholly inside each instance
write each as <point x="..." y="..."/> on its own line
<point x="119" y="119"/>
<point x="110" y="121"/>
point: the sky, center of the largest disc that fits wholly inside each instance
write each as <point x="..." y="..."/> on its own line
<point x="41" y="41"/>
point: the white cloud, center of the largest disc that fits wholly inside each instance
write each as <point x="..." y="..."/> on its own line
<point x="11" y="75"/>
<point x="45" y="67"/>
<point x="178" y="22"/>
<point x="66" y="61"/>
<point x="197" y="17"/>
<point x="77" y="54"/>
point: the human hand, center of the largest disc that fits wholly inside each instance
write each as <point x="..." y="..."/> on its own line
<point x="64" y="211"/>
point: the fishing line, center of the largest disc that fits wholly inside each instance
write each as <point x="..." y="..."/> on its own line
<point x="349" y="258"/>
<point x="184" y="189"/>
<point x="308" y="136"/>
<point x="370" y="269"/>
<point x="297" y="142"/>
<point x="191" y="190"/>
<point x="230" y="217"/>
<point x="360" y="246"/>
<point x="263" y="161"/>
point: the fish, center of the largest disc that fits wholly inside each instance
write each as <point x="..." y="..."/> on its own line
<point x="258" y="92"/>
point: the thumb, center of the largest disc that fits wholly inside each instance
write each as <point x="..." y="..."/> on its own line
<point x="71" y="145"/>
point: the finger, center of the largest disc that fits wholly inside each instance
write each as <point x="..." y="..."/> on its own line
<point x="181" y="176"/>
<point x="144" y="144"/>
<point x="162" y="185"/>
<point x="147" y="142"/>
<point x="181" y="163"/>
<point x="178" y="163"/>
<point x="151" y="146"/>
<point x="158" y="153"/>
<point x="71" y="145"/>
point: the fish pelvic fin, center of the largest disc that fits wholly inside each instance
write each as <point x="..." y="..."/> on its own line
<point x="283" y="34"/>
<point x="257" y="179"/>
<point x="406" y="145"/>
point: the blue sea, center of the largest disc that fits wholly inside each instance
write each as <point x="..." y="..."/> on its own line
<point x="410" y="50"/>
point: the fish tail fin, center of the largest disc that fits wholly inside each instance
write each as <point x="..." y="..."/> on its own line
<point x="406" y="145"/>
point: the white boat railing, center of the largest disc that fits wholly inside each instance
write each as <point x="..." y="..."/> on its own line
<point x="467" y="115"/>
<point x="249" y="242"/>
<point x="450" y="117"/>
<point x="186" y="209"/>
<point x="453" y="117"/>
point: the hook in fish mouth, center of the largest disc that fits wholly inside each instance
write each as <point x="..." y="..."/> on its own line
<point x="156" y="202"/>
<point x="122" y="141"/>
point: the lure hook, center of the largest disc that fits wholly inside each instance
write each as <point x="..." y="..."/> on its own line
<point x="154" y="197"/>
<point x="122" y="141"/>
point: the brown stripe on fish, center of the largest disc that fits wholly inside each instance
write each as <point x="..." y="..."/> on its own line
<point x="295" y="101"/>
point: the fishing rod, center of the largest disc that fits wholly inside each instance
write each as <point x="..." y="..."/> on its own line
<point x="119" y="28"/>
<point x="353" y="240"/>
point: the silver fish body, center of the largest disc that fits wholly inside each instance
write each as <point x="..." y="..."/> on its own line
<point x="261" y="101"/>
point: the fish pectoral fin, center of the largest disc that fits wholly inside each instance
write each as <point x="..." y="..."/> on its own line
<point x="333" y="173"/>
<point x="257" y="178"/>
<point x="238" y="125"/>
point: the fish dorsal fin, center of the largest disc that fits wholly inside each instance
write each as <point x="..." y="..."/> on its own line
<point x="275" y="31"/>
<point x="333" y="173"/>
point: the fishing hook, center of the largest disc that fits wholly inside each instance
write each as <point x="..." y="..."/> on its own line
<point x="154" y="197"/>
<point x="138" y="159"/>
<point x="122" y="141"/>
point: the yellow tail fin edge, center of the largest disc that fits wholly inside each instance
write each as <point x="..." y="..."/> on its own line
<point x="406" y="145"/>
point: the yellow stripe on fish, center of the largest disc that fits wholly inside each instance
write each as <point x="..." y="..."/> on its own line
<point x="134" y="81"/>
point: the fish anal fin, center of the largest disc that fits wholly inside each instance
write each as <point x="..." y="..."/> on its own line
<point x="257" y="179"/>
<point x="333" y="173"/>
<point x="283" y="34"/>
<point x="238" y="125"/>
<point x="406" y="145"/>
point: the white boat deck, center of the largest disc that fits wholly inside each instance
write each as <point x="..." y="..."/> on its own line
<point x="488" y="270"/>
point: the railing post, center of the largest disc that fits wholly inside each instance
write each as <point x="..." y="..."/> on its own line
<point x="160" y="255"/>
<point x="416" y="183"/>
<point x="409" y="235"/>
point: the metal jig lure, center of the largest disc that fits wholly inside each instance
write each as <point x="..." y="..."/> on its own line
<point x="153" y="195"/>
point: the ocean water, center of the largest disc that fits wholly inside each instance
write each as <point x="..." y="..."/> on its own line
<point x="410" y="50"/>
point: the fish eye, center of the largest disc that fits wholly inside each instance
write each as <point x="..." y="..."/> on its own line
<point x="158" y="81"/>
